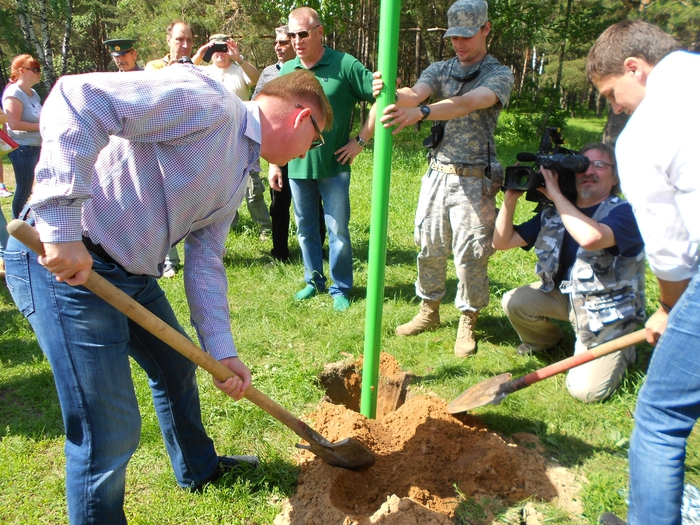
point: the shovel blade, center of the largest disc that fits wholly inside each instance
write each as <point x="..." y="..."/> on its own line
<point x="348" y="453"/>
<point x="489" y="391"/>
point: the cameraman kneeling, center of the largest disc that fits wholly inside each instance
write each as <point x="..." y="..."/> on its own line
<point x="591" y="267"/>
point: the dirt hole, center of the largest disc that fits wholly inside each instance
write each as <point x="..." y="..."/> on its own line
<point x="430" y="467"/>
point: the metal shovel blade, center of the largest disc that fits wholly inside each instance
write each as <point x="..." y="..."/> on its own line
<point x="490" y="391"/>
<point x="348" y="453"/>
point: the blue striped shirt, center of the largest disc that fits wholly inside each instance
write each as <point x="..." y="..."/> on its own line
<point x="140" y="162"/>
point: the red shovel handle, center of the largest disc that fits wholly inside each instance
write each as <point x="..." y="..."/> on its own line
<point x="615" y="345"/>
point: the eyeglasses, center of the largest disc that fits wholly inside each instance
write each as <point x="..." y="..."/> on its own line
<point x="468" y="77"/>
<point x="600" y="164"/>
<point x="283" y="42"/>
<point x="303" y="35"/>
<point x="35" y="69"/>
<point x="318" y="142"/>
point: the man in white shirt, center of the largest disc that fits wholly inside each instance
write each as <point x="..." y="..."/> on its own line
<point x="229" y="67"/>
<point x="642" y="71"/>
<point x="239" y="76"/>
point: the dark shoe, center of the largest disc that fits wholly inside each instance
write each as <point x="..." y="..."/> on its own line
<point x="610" y="519"/>
<point x="169" y="270"/>
<point x="524" y="349"/>
<point x="228" y="464"/>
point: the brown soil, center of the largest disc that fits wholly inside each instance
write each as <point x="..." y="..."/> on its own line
<point x="426" y="458"/>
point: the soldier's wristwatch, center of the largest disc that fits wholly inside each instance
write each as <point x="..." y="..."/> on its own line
<point x="360" y="141"/>
<point x="425" y="110"/>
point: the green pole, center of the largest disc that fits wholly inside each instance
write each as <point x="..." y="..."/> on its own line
<point x="389" y="15"/>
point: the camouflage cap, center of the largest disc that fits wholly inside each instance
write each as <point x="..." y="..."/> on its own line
<point x="219" y="38"/>
<point x="465" y="18"/>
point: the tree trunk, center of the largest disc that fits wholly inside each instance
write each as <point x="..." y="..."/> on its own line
<point x="614" y="126"/>
<point x="67" y="28"/>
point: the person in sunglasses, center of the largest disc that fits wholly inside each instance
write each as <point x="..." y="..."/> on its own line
<point x="456" y="207"/>
<point x="281" y="198"/>
<point x="590" y="261"/>
<point x="23" y="107"/>
<point x="325" y="171"/>
<point x="118" y="151"/>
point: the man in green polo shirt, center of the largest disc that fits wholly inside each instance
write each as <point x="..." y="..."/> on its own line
<point x="325" y="171"/>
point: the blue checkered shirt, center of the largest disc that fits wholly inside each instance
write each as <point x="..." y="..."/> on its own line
<point x="140" y="162"/>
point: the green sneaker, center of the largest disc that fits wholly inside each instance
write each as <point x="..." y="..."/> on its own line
<point x="306" y="293"/>
<point x="340" y="303"/>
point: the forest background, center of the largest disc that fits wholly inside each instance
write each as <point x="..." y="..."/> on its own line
<point x="544" y="42"/>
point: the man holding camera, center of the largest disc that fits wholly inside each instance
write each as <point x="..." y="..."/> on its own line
<point x="642" y="70"/>
<point x="456" y="208"/>
<point x="229" y="66"/>
<point x="590" y="260"/>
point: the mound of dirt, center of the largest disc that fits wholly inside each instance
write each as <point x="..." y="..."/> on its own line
<point x="426" y="457"/>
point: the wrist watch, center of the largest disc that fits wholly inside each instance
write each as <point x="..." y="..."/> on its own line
<point x="425" y="110"/>
<point x="360" y="141"/>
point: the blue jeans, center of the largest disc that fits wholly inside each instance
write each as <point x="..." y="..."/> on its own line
<point x="88" y="344"/>
<point x="667" y="408"/>
<point x="24" y="159"/>
<point x="335" y="192"/>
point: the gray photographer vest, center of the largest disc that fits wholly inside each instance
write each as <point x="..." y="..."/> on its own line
<point x="605" y="290"/>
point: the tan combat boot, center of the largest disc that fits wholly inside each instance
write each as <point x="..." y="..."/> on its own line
<point x="465" y="345"/>
<point x="428" y="318"/>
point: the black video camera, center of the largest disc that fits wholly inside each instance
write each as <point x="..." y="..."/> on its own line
<point x="552" y="157"/>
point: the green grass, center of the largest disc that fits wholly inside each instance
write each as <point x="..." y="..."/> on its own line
<point x="286" y="346"/>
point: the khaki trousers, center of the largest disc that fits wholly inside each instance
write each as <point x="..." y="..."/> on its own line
<point x="530" y="311"/>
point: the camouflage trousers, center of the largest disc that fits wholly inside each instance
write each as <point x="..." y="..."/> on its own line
<point x="530" y="311"/>
<point x="454" y="217"/>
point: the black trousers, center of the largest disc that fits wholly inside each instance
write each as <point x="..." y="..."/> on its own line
<point x="280" y="201"/>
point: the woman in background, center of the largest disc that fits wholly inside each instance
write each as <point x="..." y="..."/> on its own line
<point x="23" y="106"/>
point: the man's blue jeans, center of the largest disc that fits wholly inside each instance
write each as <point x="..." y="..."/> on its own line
<point x="335" y="192"/>
<point x="24" y="159"/>
<point x="88" y="344"/>
<point x="667" y="408"/>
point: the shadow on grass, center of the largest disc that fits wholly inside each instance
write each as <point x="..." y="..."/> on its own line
<point x="29" y="407"/>
<point x="274" y="473"/>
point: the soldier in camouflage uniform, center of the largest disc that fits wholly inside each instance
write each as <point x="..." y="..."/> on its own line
<point x="456" y="207"/>
<point x="590" y="260"/>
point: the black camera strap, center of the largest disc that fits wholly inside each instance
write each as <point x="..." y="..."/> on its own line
<point x="437" y="130"/>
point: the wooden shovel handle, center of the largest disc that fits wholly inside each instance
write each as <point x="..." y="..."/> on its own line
<point x="163" y="331"/>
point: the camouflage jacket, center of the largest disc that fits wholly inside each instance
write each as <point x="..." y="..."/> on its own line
<point x="605" y="289"/>
<point x="465" y="138"/>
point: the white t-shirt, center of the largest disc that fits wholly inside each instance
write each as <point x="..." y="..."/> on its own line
<point x="658" y="157"/>
<point x="233" y="77"/>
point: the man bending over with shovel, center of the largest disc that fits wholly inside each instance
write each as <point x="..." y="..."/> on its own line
<point x="118" y="152"/>
<point x="591" y="267"/>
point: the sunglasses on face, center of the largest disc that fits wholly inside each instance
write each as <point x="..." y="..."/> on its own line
<point x="319" y="141"/>
<point x="35" y="69"/>
<point x="282" y="42"/>
<point x="303" y="35"/>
